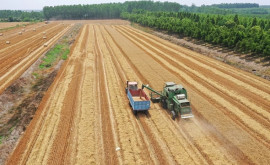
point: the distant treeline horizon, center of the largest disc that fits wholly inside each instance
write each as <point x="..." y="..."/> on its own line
<point x="113" y="10"/>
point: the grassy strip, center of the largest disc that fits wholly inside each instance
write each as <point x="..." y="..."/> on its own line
<point x="58" y="51"/>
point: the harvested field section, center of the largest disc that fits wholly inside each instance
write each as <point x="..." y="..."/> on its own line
<point x="88" y="121"/>
<point x="196" y="84"/>
<point x="15" y="61"/>
<point x="222" y="88"/>
<point x="159" y="118"/>
<point x="85" y="117"/>
<point x="14" y="38"/>
<point x="46" y="127"/>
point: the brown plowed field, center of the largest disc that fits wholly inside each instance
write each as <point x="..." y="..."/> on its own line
<point x="85" y="115"/>
<point x="25" y="49"/>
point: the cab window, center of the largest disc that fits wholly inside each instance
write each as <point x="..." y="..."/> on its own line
<point x="186" y="104"/>
<point x="133" y="87"/>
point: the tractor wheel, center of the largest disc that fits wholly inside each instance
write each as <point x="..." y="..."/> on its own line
<point x="146" y="112"/>
<point x="173" y="115"/>
<point x="164" y="104"/>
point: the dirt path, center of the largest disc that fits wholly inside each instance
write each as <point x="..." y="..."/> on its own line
<point x="85" y="117"/>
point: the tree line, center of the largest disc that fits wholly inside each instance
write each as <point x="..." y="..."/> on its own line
<point x="19" y="16"/>
<point x="236" y="5"/>
<point x="243" y="34"/>
<point x="129" y="6"/>
<point x="105" y="11"/>
<point x="240" y="9"/>
<point x="97" y="11"/>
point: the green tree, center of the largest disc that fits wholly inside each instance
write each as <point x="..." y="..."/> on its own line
<point x="10" y="19"/>
<point x="236" y="19"/>
<point x="254" y="22"/>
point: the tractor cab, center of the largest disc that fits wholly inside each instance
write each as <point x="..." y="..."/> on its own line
<point x="171" y="89"/>
<point x="132" y="85"/>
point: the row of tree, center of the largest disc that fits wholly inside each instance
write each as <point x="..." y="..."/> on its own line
<point x="242" y="9"/>
<point x="97" y="11"/>
<point x="129" y="6"/>
<point x="18" y="16"/>
<point x="105" y="11"/>
<point x="244" y="34"/>
<point x="113" y="10"/>
<point x="236" y="5"/>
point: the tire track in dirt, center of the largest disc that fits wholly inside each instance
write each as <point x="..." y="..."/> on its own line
<point x="237" y="110"/>
<point x="72" y="146"/>
<point x="99" y="111"/>
<point x="175" y="134"/>
<point x="110" y="136"/>
<point x="175" y="73"/>
<point x="89" y="145"/>
<point x="71" y="105"/>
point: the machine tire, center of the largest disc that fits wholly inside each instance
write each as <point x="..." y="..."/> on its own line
<point x="135" y="112"/>
<point x="173" y="115"/>
<point x="164" y="104"/>
<point x="146" y="112"/>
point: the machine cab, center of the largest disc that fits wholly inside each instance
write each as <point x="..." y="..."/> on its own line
<point x="167" y="88"/>
<point x="132" y="85"/>
<point x="171" y="89"/>
<point x="169" y="84"/>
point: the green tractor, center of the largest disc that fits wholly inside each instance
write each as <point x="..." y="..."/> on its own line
<point x="174" y="98"/>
